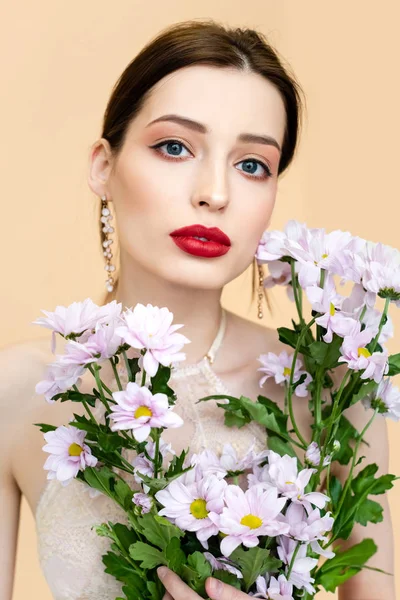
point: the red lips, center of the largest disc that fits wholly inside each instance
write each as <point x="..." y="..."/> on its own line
<point x="211" y="233"/>
<point x="217" y="244"/>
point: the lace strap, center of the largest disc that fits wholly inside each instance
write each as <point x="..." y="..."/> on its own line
<point x="210" y="356"/>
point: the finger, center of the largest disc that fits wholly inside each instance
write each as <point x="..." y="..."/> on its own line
<point x="167" y="596"/>
<point x="221" y="591"/>
<point x="175" y="586"/>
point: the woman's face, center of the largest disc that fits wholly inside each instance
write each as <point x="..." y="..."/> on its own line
<point x="169" y="175"/>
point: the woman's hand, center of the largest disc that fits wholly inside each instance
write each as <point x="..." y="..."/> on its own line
<point x="178" y="590"/>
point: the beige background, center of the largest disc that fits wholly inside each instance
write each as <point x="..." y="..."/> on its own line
<point x="60" y="61"/>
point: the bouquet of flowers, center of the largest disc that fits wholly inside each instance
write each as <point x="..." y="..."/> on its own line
<point x="258" y="522"/>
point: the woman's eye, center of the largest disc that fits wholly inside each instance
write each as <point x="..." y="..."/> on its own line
<point x="173" y="148"/>
<point x="251" y="165"/>
<point x="173" y="152"/>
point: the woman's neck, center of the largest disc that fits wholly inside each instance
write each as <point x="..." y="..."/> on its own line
<point x="199" y="310"/>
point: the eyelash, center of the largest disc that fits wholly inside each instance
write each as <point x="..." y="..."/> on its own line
<point x="156" y="147"/>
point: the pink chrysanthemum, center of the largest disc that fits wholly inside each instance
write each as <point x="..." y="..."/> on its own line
<point x="248" y="515"/>
<point x="68" y="453"/>
<point x="138" y="409"/>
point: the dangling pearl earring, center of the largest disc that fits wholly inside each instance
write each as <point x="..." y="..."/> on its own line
<point x="260" y="291"/>
<point x="106" y="216"/>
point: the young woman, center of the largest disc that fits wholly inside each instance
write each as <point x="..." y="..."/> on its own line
<point x="197" y="131"/>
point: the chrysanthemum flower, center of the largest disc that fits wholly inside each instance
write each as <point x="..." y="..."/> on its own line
<point x="222" y="564"/>
<point x="190" y="506"/>
<point x="282" y="473"/>
<point x="77" y="318"/>
<point x="138" y="409"/>
<point x="359" y="358"/>
<point x="302" y="566"/>
<point x="313" y="456"/>
<point x="248" y="515"/>
<point x="279" y="367"/>
<point x="272" y="588"/>
<point x="309" y="528"/>
<point x="68" y="453"/>
<point x="59" y="378"/>
<point x="386" y="398"/>
<point x="150" y="328"/>
<point x="143" y="501"/>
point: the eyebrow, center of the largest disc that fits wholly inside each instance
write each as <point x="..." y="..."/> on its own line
<point x="200" y="128"/>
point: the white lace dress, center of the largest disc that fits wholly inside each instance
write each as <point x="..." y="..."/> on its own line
<point x="69" y="551"/>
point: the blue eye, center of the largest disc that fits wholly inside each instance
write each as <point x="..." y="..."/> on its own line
<point x="174" y="154"/>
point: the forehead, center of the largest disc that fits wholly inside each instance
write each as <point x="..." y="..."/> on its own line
<point x="227" y="101"/>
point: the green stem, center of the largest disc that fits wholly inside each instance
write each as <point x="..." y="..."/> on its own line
<point x="292" y="561"/>
<point x="116" y="375"/>
<point x="156" y="453"/>
<point x="381" y="324"/>
<point x="331" y="424"/>
<point x="86" y="405"/>
<point x="295" y="291"/>
<point x="353" y="462"/>
<point x="290" y="387"/>
<point x="128" y="368"/>
<point x="317" y="404"/>
<point x="96" y="375"/>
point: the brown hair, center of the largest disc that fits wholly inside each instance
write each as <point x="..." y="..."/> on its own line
<point x="203" y="42"/>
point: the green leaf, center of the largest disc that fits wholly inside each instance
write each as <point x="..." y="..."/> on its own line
<point x="335" y="490"/>
<point x="175" y="555"/>
<point x="110" y="484"/>
<point x="366" y="388"/>
<point x="159" y="383"/>
<point x="196" y="571"/>
<point x="120" y="568"/>
<point x="253" y="562"/>
<point x="235" y="419"/>
<point x="44" y="428"/>
<point x="148" y="556"/>
<point x="344" y="565"/>
<point x="366" y="483"/>
<point x="228" y="578"/>
<point x="158" y="530"/>
<point x="344" y="434"/>
<point x="176" y="465"/>
<point x="271" y="406"/>
<point x="369" y="511"/>
<point x="84" y="423"/>
<point x="280" y="446"/>
<point x="291" y="338"/>
<point x="109" y="442"/>
<point x="326" y="354"/>
<point x="156" y="589"/>
<point x="394" y="365"/>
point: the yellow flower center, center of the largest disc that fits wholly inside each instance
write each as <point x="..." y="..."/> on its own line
<point x="289" y="482"/>
<point x="286" y="371"/>
<point x="251" y="521"/>
<point x="198" y="508"/>
<point x="143" y="411"/>
<point x="364" y="352"/>
<point x="75" y="449"/>
<point x="324" y="256"/>
<point x="332" y="310"/>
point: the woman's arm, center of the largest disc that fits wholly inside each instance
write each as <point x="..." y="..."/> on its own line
<point x="10" y="494"/>
<point x="370" y="585"/>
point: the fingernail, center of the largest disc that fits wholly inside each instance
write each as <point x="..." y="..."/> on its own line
<point x="161" y="572"/>
<point x="215" y="587"/>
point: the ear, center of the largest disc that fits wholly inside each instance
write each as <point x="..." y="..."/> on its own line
<point x="100" y="167"/>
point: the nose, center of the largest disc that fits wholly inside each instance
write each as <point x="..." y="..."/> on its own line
<point x="212" y="187"/>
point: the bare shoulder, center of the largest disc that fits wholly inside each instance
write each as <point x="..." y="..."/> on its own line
<point x="251" y="339"/>
<point x="22" y="365"/>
